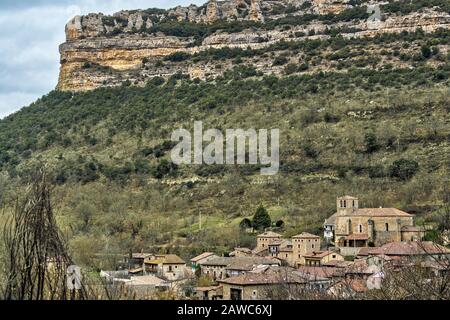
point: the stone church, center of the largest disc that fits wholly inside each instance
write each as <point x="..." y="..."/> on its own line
<point x="351" y="227"/>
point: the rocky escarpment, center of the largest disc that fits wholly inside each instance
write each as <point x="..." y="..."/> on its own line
<point x="134" y="46"/>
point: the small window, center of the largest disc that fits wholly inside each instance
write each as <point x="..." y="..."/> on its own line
<point x="312" y="246"/>
<point x="386" y="226"/>
<point x="333" y="256"/>
<point x="345" y="203"/>
<point x="360" y="228"/>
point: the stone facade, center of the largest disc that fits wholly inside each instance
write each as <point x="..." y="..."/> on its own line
<point x="353" y="227"/>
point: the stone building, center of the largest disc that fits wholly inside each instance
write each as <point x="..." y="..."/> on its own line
<point x="265" y="239"/>
<point x="291" y="251"/>
<point x="351" y="227"/>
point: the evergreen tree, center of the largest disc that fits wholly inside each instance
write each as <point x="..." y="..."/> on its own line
<point x="261" y="219"/>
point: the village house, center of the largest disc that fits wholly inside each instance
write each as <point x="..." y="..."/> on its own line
<point x="241" y="252"/>
<point x="425" y="250"/>
<point x="198" y="260"/>
<point x="209" y="293"/>
<point x="352" y="228"/>
<point x="303" y="244"/>
<point x="258" y="284"/>
<point x="290" y="251"/>
<point x="222" y="267"/>
<point x="167" y="266"/>
<point x="265" y="239"/>
<point x="318" y="258"/>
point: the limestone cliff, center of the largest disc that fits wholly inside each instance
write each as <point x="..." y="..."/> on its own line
<point x="131" y="45"/>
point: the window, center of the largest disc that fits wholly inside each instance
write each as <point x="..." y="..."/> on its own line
<point x="333" y="256"/>
<point x="386" y="226"/>
<point x="353" y="204"/>
<point x="312" y="246"/>
<point x="360" y="228"/>
<point x="345" y="203"/>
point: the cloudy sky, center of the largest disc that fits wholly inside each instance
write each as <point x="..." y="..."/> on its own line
<point x="30" y="33"/>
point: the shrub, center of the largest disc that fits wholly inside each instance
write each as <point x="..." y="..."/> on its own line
<point x="403" y="169"/>
<point x="245" y="224"/>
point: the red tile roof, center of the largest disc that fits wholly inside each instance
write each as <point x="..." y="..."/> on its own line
<point x="269" y="234"/>
<point x="379" y="212"/>
<point x="410" y="248"/>
<point x="202" y="256"/>
<point x="357" y="236"/>
<point x="318" y="254"/>
<point x="306" y="235"/>
<point x="273" y="275"/>
<point x="320" y="272"/>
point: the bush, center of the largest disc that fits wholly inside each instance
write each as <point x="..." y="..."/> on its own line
<point x="370" y="141"/>
<point x="403" y="169"/>
<point x="177" y="57"/>
<point x="245" y="224"/>
<point x="279" y="61"/>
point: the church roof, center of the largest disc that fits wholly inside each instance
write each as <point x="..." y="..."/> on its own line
<point x="379" y="212"/>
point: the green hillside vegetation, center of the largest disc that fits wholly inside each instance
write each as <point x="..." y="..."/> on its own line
<point x="378" y="132"/>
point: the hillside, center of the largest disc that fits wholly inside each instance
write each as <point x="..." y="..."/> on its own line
<point x="362" y="115"/>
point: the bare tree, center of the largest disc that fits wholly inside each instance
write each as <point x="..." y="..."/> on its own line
<point x="36" y="256"/>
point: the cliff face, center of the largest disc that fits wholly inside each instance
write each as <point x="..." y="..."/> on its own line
<point x="132" y="45"/>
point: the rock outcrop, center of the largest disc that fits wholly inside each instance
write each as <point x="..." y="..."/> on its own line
<point x="129" y="46"/>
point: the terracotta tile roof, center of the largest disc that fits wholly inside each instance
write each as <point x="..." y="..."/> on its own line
<point x="357" y="236"/>
<point x="358" y="267"/>
<point x="273" y="275"/>
<point x="355" y="285"/>
<point x="337" y="264"/>
<point x="219" y="261"/>
<point x="202" y="256"/>
<point x="250" y="263"/>
<point x="260" y="251"/>
<point x="305" y="235"/>
<point x="165" y="259"/>
<point x="269" y="234"/>
<point x="318" y="254"/>
<point x="410" y="248"/>
<point x="379" y="212"/>
<point x="319" y="272"/>
<point x="364" y="251"/>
